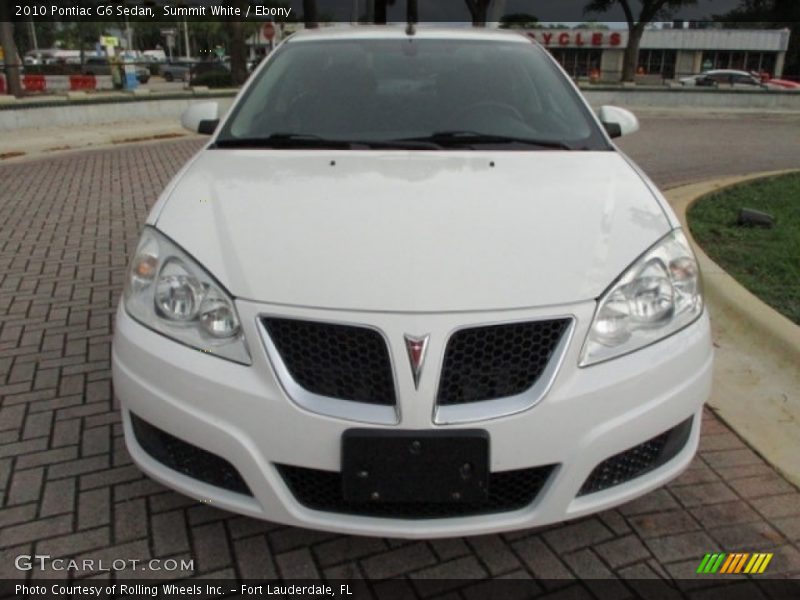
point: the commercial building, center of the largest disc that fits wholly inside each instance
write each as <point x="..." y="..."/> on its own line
<point x="666" y="53"/>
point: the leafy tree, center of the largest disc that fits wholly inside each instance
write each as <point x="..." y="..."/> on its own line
<point x="770" y="14"/>
<point x="650" y="10"/>
<point x="46" y="35"/>
<point x="147" y="34"/>
<point x="83" y="35"/>
<point x="591" y="25"/>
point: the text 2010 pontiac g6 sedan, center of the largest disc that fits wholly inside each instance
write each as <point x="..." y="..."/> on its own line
<point x="411" y="288"/>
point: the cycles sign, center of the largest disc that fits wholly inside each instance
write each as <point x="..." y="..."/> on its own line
<point x="578" y="38"/>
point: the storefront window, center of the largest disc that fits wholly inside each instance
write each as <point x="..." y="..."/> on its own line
<point x="578" y="62"/>
<point x="657" y="62"/>
<point x="758" y="62"/>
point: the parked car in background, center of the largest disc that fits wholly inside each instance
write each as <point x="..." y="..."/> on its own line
<point x="411" y="288"/>
<point x="157" y="56"/>
<point x="99" y="65"/>
<point x="724" y="78"/>
<point x="190" y="70"/>
<point x="177" y="70"/>
<point x="210" y="71"/>
<point x="52" y="56"/>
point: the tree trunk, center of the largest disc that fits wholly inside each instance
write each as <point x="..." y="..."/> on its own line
<point x="631" y="59"/>
<point x="380" y="12"/>
<point x="10" y="50"/>
<point x="310" y="14"/>
<point x="412" y="11"/>
<point x="478" y="9"/>
<point x="238" y="52"/>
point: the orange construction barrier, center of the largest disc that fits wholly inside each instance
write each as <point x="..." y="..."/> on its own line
<point x="34" y="83"/>
<point x="82" y="82"/>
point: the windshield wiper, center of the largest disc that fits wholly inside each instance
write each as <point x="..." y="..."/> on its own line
<point x="472" y="138"/>
<point x="282" y="140"/>
<point x="309" y="140"/>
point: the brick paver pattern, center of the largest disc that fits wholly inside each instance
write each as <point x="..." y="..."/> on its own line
<point x="67" y="227"/>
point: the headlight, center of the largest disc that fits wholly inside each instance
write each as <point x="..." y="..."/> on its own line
<point x="658" y="295"/>
<point x="169" y="292"/>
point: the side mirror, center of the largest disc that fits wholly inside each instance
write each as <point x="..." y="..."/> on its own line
<point x="201" y="117"/>
<point x="618" y="121"/>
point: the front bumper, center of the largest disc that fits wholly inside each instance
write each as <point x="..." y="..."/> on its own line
<point x="243" y="415"/>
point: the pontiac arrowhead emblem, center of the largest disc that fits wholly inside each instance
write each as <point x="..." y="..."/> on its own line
<point x="416" y="347"/>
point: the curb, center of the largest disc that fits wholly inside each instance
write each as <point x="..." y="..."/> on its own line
<point x="719" y="286"/>
<point x="756" y="388"/>
<point x="132" y="138"/>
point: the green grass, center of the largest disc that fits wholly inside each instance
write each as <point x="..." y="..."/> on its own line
<point x="765" y="261"/>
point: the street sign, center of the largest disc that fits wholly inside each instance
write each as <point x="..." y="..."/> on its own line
<point x="109" y="41"/>
<point x="269" y="31"/>
<point x="168" y="32"/>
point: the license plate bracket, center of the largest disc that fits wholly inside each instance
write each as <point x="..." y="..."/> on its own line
<point x="381" y="466"/>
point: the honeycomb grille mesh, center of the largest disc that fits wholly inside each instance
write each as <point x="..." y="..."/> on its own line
<point x="186" y="458"/>
<point x="497" y="361"/>
<point x="338" y="361"/>
<point x="322" y="490"/>
<point x="638" y="460"/>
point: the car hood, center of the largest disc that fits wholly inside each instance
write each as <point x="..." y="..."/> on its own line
<point x="413" y="231"/>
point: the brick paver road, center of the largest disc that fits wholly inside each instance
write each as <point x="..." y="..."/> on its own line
<point x="67" y="226"/>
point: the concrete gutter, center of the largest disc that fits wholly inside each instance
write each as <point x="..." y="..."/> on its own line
<point x="756" y="375"/>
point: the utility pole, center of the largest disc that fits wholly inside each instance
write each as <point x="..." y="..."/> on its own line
<point x="186" y="37"/>
<point x="11" y="58"/>
<point x="32" y="32"/>
<point x="128" y="34"/>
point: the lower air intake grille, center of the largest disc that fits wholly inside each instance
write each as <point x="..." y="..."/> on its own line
<point x="322" y="490"/>
<point x="337" y="361"/>
<point x="486" y="363"/>
<point x="637" y="461"/>
<point x="187" y="459"/>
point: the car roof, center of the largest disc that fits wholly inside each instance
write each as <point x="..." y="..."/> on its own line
<point x="727" y="72"/>
<point x="397" y="31"/>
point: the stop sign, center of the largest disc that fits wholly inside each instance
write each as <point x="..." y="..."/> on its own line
<point x="269" y="31"/>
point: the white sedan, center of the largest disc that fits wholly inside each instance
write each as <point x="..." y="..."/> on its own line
<point x="411" y="288"/>
<point x="728" y="78"/>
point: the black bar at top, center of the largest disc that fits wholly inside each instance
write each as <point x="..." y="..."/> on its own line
<point x="347" y="11"/>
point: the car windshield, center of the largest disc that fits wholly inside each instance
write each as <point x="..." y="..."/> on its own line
<point x="416" y="93"/>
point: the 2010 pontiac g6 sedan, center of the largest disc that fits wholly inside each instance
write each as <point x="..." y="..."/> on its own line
<point x="411" y="288"/>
